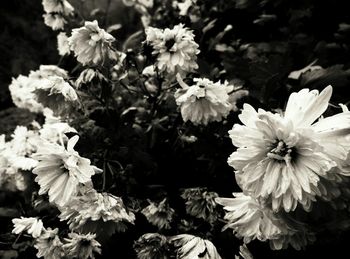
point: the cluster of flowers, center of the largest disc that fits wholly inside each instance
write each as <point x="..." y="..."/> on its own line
<point x="284" y="161"/>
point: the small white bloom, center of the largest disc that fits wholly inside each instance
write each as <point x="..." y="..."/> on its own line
<point x="92" y="45"/>
<point x="58" y="6"/>
<point x="203" y="102"/>
<point x="62" y="44"/>
<point x="160" y="214"/>
<point x="81" y="246"/>
<point x="175" y="49"/>
<point x="49" y="245"/>
<point x="54" y="20"/>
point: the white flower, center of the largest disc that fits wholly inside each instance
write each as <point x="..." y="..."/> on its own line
<point x="58" y="6"/>
<point x="62" y="44"/>
<point x="54" y="20"/>
<point x="192" y="247"/>
<point x="160" y="214"/>
<point x="91" y="210"/>
<point x="46" y="71"/>
<point x="281" y="158"/>
<point x="251" y="220"/>
<point x="22" y="96"/>
<point x="175" y="49"/>
<point x="49" y="245"/>
<point x="203" y="102"/>
<point x="81" y="246"/>
<point x="92" y="45"/>
<point x="60" y="170"/>
<point x="152" y="245"/>
<point x="33" y="226"/>
<point x="56" y="94"/>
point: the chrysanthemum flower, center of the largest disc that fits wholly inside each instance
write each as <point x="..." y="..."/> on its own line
<point x="200" y="203"/>
<point x="298" y="239"/>
<point x="33" y="226"/>
<point x="250" y="220"/>
<point x="92" y="45"/>
<point x="54" y="20"/>
<point x="160" y="214"/>
<point x="281" y="158"/>
<point x="49" y="245"/>
<point x="203" y="102"/>
<point x="62" y="44"/>
<point x="22" y="96"/>
<point x="192" y="247"/>
<point x="81" y="246"/>
<point x="175" y="49"/>
<point x="56" y="94"/>
<point x="88" y="75"/>
<point x="60" y="170"/>
<point x="152" y="245"/>
<point x="96" y="212"/>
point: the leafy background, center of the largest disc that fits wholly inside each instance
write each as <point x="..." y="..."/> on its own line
<point x="269" y="39"/>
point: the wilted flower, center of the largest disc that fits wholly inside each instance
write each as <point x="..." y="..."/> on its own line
<point x="192" y="247"/>
<point x="152" y="245"/>
<point x="203" y="102"/>
<point x="175" y="49"/>
<point x="62" y="44"/>
<point x="56" y="94"/>
<point x="33" y="226"/>
<point x="251" y="220"/>
<point x="184" y="6"/>
<point x="93" y="212"/>
<point x="81" y="246"/>
<point x="49" y="245"/>
<point x="200" y="203"/>
<point x="160" y="214"/>
<point x="281" y="158"/>
<point x="60" y="170"/>
<point x="92" y="45"/>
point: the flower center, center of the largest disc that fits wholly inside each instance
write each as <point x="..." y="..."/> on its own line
<point x="281" y="152"/>
<point x="169" y="44"/>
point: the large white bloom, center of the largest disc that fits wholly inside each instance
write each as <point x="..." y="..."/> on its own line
<point x="33" y="226"/>
<point x="281" y="158"/>
<point x="203" y="102"/>
<point x="60" y="170"/>
<point x="92" y="45"/>
<point x="192" y="247"/>
<point x="175" y="49"/>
